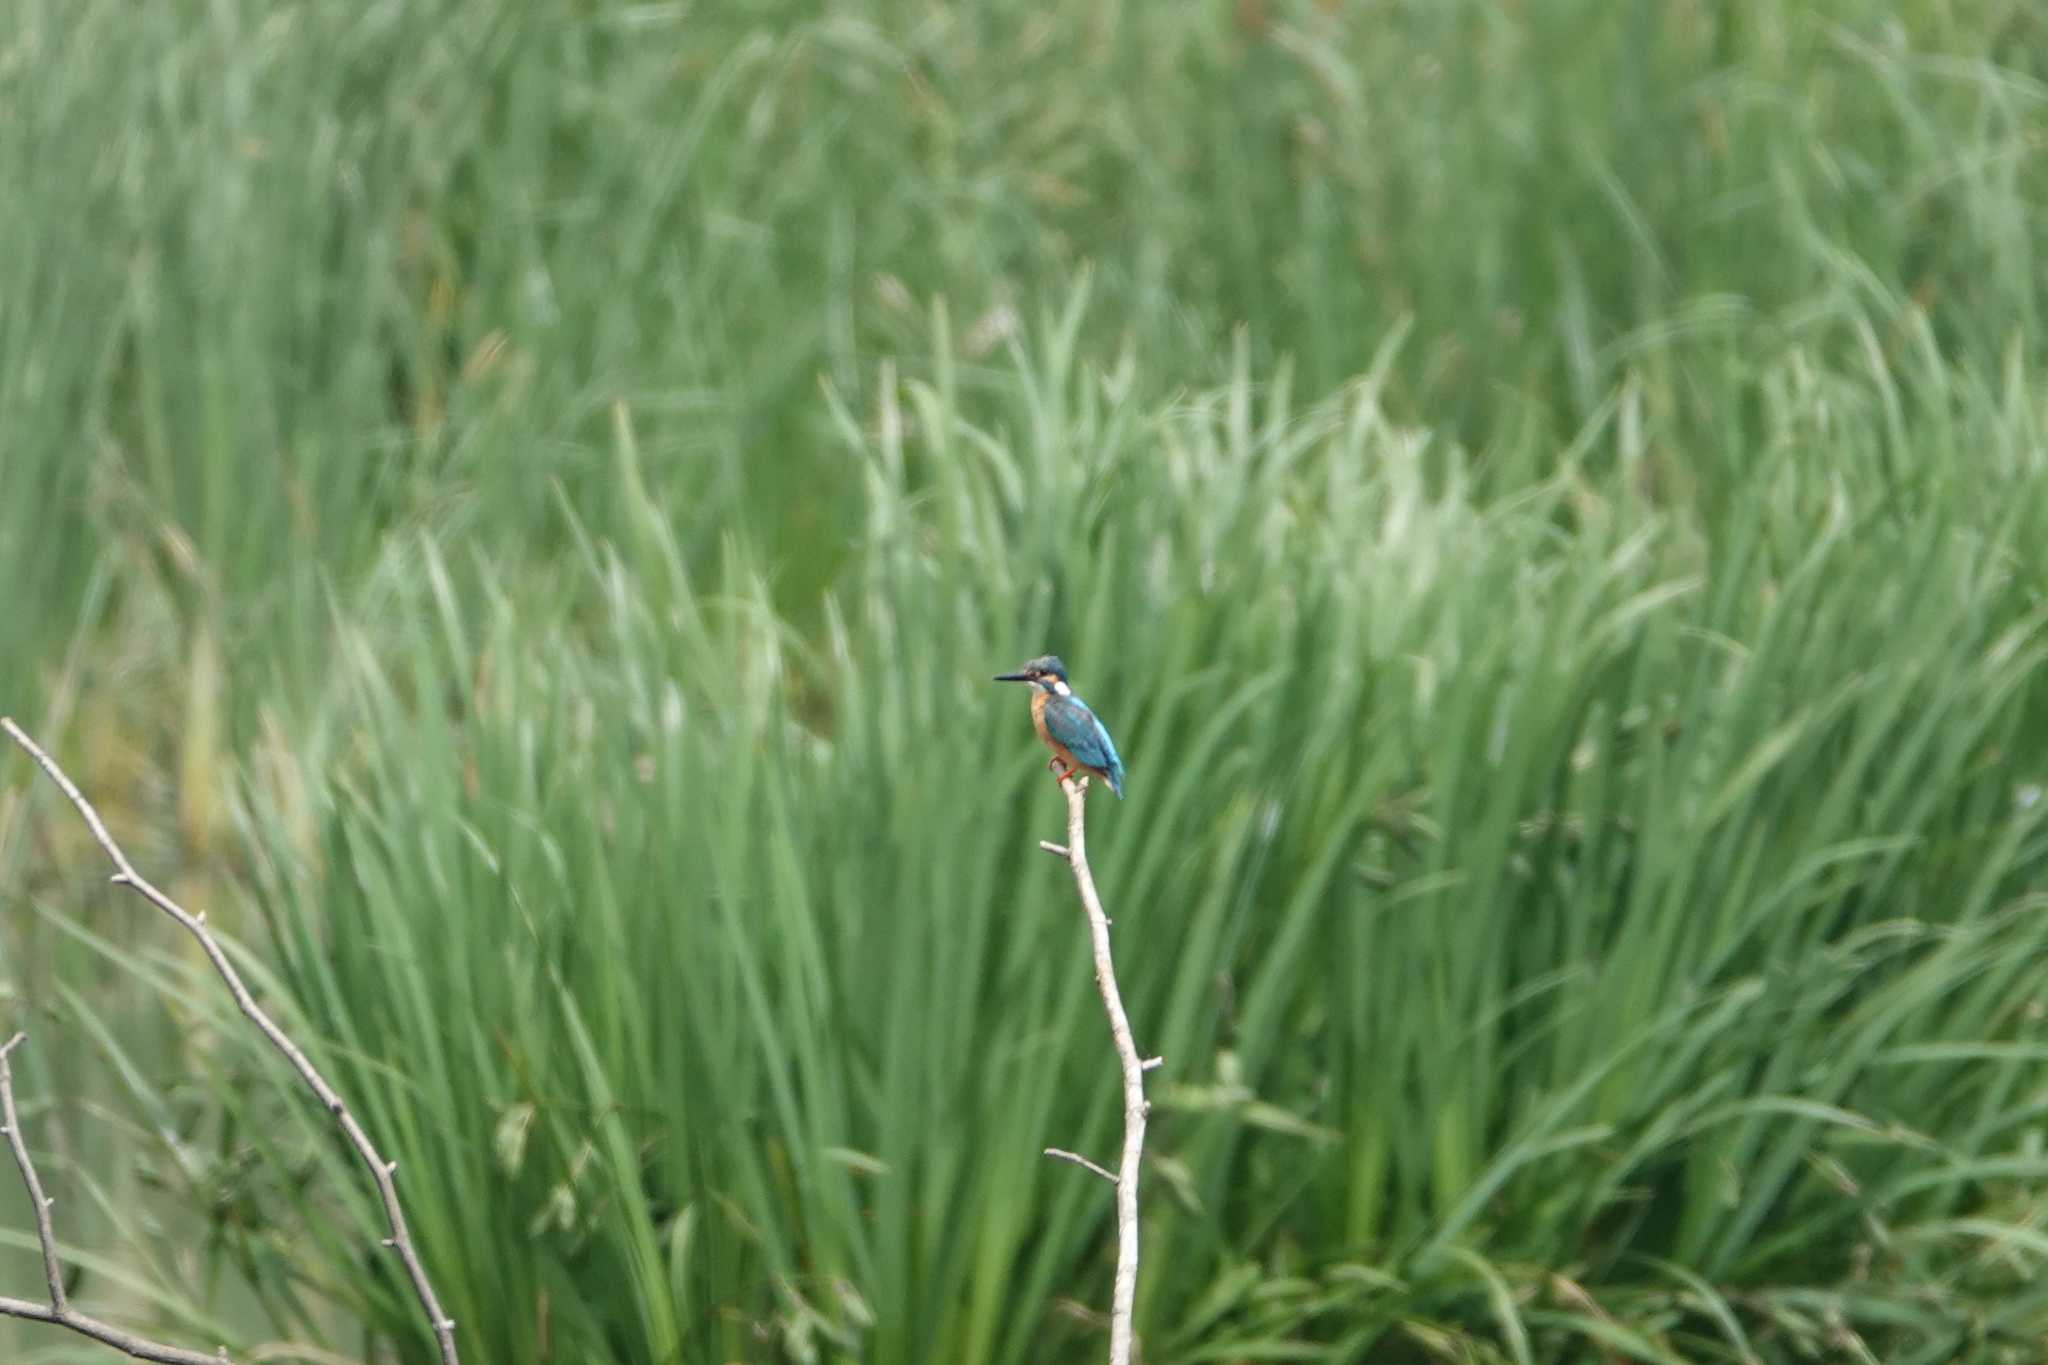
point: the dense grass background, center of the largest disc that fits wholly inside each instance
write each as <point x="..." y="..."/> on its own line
<point x="513" y="508"/>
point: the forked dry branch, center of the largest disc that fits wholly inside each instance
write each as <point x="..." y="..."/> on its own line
<point x="58" y="1311"/>
<point x="381" y="1171"/>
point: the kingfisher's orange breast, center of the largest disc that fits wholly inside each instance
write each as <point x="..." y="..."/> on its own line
<point x="1039" y="697"/>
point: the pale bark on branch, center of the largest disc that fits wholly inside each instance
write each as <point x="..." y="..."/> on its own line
<point x="381" y="1171"/>
<point x="1133" y="1064"/>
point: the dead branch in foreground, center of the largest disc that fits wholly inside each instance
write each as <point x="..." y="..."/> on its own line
<point x="381" y="1171"/>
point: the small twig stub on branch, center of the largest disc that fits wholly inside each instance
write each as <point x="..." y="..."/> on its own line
<point x="1061" y="1154"/>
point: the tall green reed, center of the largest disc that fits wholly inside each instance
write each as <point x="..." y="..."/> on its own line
<point x="1563" y="919"/>
<point x="299" y="277"/>
<point x="1565" y="753"/>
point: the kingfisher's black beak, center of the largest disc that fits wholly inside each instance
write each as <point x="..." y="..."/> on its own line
<point x="1013" y="677"/>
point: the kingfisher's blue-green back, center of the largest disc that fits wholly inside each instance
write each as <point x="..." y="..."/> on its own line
<point x="1068" y="720"/>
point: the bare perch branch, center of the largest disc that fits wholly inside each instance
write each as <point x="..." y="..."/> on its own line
<point x="58" y="1311"/>
<point x="381" y="1170"/>
<point x="1133" y="1066"/>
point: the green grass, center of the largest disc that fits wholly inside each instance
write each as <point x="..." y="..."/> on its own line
<point x="514" y="509"/>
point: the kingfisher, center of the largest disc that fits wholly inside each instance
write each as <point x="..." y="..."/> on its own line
<point x="1078" y="741"/>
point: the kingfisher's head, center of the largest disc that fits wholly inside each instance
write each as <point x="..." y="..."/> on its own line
<point x="1045" y="671"/>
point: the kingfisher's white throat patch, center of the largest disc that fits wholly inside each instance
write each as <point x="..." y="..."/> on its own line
<point x="1060" y="688"/>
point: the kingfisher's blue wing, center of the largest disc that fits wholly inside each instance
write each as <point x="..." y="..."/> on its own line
<point x="1068" y="720"/>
